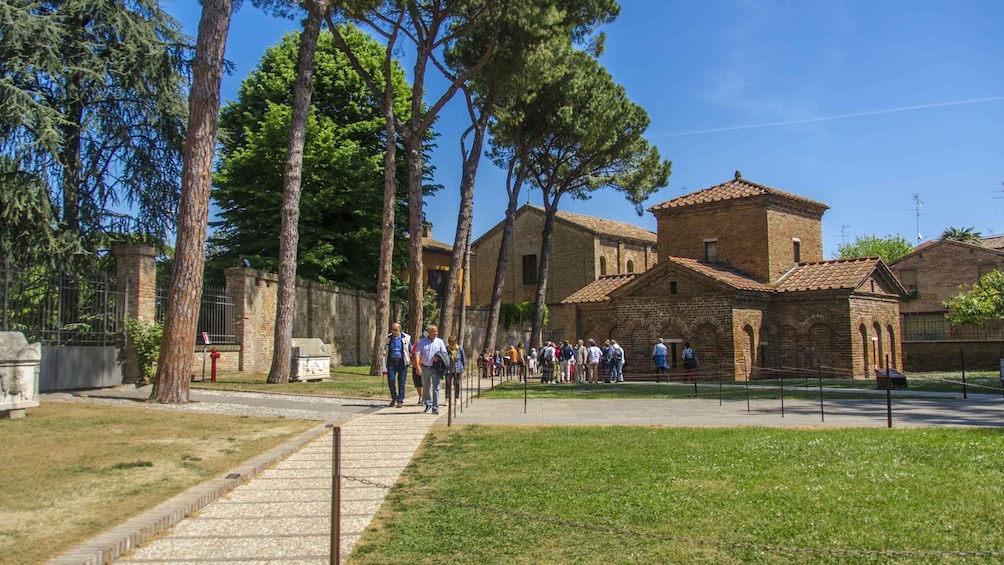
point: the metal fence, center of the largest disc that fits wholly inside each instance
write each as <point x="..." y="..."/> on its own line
<point x="216" y="315"/>
<point x="59" y="307"/>
<point x="933" y="326"/>
<point x="62" y="307"/>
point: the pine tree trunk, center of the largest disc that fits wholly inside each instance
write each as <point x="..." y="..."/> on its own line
<point x="387" y="234"/>
<point x="177" y="349"/>
<point x="537" y="329"/>
<point x="413" y="144"/>
<point x="290" y="235"/>
<point x="464" y="219"/>
<point x="491" y="332"/>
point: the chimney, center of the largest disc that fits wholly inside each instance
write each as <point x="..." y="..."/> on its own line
<point x="739" y="174"/>
<point x="427" y="230"/>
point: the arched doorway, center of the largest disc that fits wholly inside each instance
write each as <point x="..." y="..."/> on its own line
<point x="865" y="344"/>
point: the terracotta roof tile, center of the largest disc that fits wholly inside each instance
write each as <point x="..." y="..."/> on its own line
<point x="432" y="244"/>
<point x="599" y="290"/>
<point x="731" y="278"/>
<point x="606" y="227"/>
<point x="824" y="275"/>
<point x="732" y="190"/>
<point x="993" y="242"/>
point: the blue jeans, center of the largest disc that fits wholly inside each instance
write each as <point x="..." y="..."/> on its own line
<point x="397" y="373"/>
<point x="430" y="386"/>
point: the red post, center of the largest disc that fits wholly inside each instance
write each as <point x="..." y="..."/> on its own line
<point x="214" y="355"/>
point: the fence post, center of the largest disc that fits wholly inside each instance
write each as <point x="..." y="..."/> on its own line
<point x="336" y="499"/>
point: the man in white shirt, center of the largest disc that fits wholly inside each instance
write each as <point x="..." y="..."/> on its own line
<point x="425" y="353"/>
<point x="593" y="357"/>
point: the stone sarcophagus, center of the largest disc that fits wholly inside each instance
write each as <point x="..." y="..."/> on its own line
<point x="19" y="365"/>
<point x="310" y="359"/>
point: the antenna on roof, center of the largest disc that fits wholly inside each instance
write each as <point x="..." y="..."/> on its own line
<point x="917" y="204"/>
<point x="843" y="234"/>
<point x="996" y="191"/>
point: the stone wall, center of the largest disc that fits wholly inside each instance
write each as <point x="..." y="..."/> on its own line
<point x="342" y="318"/>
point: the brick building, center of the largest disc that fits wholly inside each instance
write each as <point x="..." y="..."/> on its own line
<point x="741" y="276"/>
<point x="583" y="249"/>
<point x="932" y="274"/>
<point x="436" y="257"/>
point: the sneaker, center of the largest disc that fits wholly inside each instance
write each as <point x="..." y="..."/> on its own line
<point x="400" y="404"/>
<point x="392" y="403"/>
<point x="428" y="409"/>
<point x="435" y="411"/>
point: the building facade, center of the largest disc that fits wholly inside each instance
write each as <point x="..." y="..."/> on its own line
<point x="740" y="276"/>
<point x="932" y="274"/>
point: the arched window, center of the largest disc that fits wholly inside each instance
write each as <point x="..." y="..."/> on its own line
<point x="603" y="266"/>
<point x="630" y="266"/>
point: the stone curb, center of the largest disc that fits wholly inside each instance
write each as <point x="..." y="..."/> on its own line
<point x="114" y="543"/>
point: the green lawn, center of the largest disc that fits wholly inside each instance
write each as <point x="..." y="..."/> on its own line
<point x="478" y="494"/>
<point x="351" y="382"/>
<point x="74" y="470"/>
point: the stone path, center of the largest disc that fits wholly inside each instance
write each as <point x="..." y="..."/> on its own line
<point x="283" y="515"/>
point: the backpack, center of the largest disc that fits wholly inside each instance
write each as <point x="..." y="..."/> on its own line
<point x="618" y="353"/>
<point x="688" y="354"/>
<point x="547" y="354"/>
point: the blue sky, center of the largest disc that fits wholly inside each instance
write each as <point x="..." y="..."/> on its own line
<point x="858" y="104"/>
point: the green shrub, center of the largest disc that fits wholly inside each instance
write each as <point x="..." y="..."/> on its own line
<point x="145" y="337"/>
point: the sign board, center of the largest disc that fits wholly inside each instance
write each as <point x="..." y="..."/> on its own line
<point x="205" y="338"/>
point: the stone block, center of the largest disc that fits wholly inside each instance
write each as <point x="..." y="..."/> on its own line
<point x="19" y="364"/>
<point x="311" y="358"/>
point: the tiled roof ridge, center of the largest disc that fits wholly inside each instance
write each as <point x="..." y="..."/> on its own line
<point x="698" y="197"/>
<point x="574" y="216"/>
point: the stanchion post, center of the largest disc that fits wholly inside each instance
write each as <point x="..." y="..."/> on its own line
<point x="822" y="416"/>
<point x="782" y="396"/>
<point x="336" y="499"/>
<point x="747" y="394"/>
<point x="720" y="388"/>
<point x="962" y="359"/>
<point x="888" y="397"/>
<point x="449" y="398"/>
<point x="524" y="394"/>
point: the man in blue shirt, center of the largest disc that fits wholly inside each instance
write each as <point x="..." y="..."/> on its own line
<point x="396" y="353"/>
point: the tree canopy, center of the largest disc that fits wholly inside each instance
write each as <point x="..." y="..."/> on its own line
<point x="965" y="235"/>
<point x="92" y="108"/>
<point x="889" y="248"/>
<point x="982" y="303"/>
<point x="341" y="201"/>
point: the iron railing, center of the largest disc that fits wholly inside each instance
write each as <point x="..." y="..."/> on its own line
<point x="216" y="315"/>
<point x="933" y="326"/>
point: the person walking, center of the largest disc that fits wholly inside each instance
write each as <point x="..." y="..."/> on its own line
<point x="397" y="353"/>
<point x="429" y="369"/>
<point x="593" y="357"/>
<point x="580" y="364"/>
<point x="416" y="376"/>
<point x="690" y="362"/>
<point x="617" y="367"/>
<point x="659" y="353"/>
<point x="458" y="362"/>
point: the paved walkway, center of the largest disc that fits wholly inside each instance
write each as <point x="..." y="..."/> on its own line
<point x="276" y="508"/>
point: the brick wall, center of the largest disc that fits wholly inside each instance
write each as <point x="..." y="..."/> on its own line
<point x="940" y="269"/>
<point x="753" y="236"/>
<point x="739" y="227"/>
<point x="949" y="356"/>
